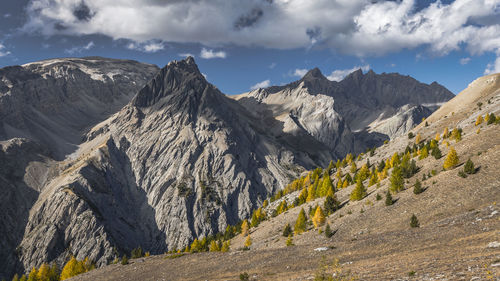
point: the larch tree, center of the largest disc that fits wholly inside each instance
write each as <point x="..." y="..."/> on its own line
<point x="33" y="275"/>
<point x="300" y="224"/>
<point x="214" y="247"/>
<point x="451" y="159"/>
<point x="359" y="192"/>
<point x="248" y="241"/>
<point x="445" y="133"/>
<point x="479" y="120"/>
<point x="244" y="228"/>
<point x="327" y="184"/>
<point x="43" y="273"/>
<point x="318" y="218"/>
<point x="418" y="138"/>
<point x="397" y="182"/>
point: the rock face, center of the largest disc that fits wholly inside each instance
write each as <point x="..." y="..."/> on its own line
<point x="179" y="159"/>
<point x="55" y="101"/>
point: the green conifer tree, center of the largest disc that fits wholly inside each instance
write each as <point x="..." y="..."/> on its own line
<point x="388" y="199"/>
<point x="417" y="188"/>
<point x="414" y="221"/>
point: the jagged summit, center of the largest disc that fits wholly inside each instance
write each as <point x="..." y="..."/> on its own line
<point x="314" y="73"/>
<point x="176" y="78"/>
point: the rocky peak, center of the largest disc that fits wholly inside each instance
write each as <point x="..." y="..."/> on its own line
<point x="176" y="78"/>
<point x="313" y="74"/>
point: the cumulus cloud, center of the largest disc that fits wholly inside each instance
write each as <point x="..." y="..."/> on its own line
<point x="148" y="47"/>
<point x="79" y="49"/>
<point x="185" y="55"/>
<point x="3" y="52"/>
<point x="273" y="65"/>
<point x="464" y="61"/>
<point x="299" y="72"/>
<point x="263" y="84"/>
<point x="211" y="54"/>
<point x="493" y="67"/>
<point x="339" y="74"/>
<point x="358" y="27"/>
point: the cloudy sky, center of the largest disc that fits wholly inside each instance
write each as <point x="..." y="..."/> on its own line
<point x="244" y="44"/>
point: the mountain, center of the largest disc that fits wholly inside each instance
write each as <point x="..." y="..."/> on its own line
<point x="364" y="110"/>
<point x="45" y="110"/>
<point x="458" y="214"/>
<point x="54" y="102"/>
<point x="175" y="161"/>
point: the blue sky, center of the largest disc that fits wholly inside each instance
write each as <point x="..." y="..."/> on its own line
<point x="240" y="44"/>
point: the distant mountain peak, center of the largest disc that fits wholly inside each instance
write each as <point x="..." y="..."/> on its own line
<point x="312" y="74"/>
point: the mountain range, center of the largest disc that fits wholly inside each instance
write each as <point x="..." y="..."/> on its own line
<point x="99" y="156"/>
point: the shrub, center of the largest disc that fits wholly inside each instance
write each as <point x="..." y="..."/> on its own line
<point x="462" y="174"/>
<point x="289" y="241"/>
<point x="378" y="197"/>
<point x="244" y="276"/>
<point x="491" y="119"/>
<point x="411" y="135"/>
<point x="414" y="221"/>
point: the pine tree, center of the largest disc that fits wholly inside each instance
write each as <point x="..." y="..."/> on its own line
<point x="303" y="196"/>
<point x="225" y="247"/>
<point x="388" y="199"/>
<point x="287" y="230"/>
<point x="248" y="242"/>
<point x="451" y="159"/>
<point x="417" y="188"/>
<point x="359" y="192"/>
<point x="124" y="260"/>
<point x="300" y="224"/>
<point x="214" y="246"/>
<point x="491" y="119"/>
<point x="414" y="221"/>
<point x="373" y="179"/>
<point x="244" y="228"/>
<point x="381" y="166"/>
<point x="331" y="204"/>
<point x="436" y="152"/>
<point x="136" y="253"/>
<point x="364" y="172"/>
<point x="397" y="182"/>
<point x="469" y="167"/>
<point x="479" y="120"/>
<point x="330" y="166"/>
<point x="345" y="184"/>
<point x="23" y="278"/>
<point x="395" y="159"/>
<point x="318" y="218"/>
<point x="328" y="231"/>
<point x="15" y="278"/>
<point x="255" y="219"/>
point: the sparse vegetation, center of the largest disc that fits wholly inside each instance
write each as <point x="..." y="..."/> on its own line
<point x="414" y="221"/>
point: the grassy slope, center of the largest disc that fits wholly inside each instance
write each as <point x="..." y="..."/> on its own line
<point x="458" y="217"/>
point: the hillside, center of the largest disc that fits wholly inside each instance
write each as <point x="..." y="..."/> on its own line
<point x="459" y="217"/>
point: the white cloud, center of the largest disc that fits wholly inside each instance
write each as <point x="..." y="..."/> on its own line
<point x="3" y="52"/>
<point x="79" y="49"/>
<point x="148" y="47"/>
<point x="339" y="74"/>
<point x="464" y="61"/>
<point x="493" y="67"/>
<point x="272" y="65"/>
<point x="299" y="72"/>
<point x="359" y="27"/>
<point x="263" y="84"/>
<point x="7" y="15"/>
<point x="211" y="54"/>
